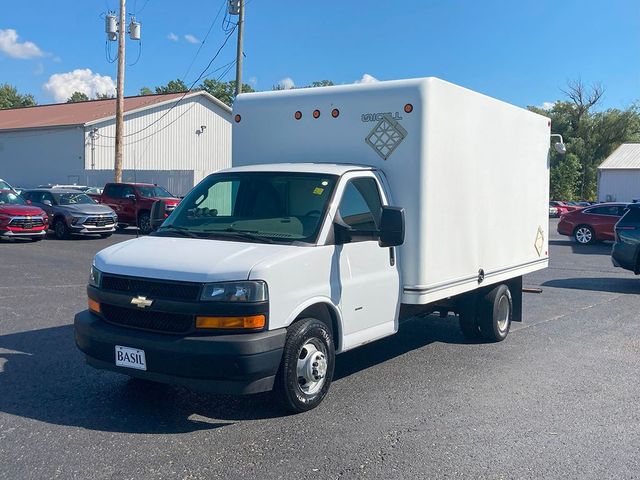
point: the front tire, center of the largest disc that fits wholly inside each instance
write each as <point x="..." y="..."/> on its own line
<point x="144" y="223"/>
<point x="60" y="229"/>
<point x="307" y="365"/>
<point x="584" y="235"/>
<point x="495" y="312"/>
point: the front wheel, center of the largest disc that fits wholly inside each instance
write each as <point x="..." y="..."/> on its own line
<point x="60" y="229"/>
<point x="144" y="223"/>
<point x="584" y="235"/>
<point x="307" y="365"/>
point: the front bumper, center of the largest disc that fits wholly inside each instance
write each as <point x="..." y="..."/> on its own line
<point x="86" y="230"/>
<point x="22" y="233"/>
<point x="234" y="363"/>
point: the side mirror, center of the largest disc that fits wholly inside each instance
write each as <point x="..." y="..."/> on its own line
<point x="158" y="214"/>
<point x="391" y="227"/>
<point x="47" y="203"/>
<point x="130" y="196"/>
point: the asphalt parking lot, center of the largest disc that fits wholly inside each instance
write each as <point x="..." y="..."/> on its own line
<point x="557" y="399"/>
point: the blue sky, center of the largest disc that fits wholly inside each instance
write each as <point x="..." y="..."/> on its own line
<point x="520" y="51"/>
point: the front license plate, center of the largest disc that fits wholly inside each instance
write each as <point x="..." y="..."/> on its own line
<point x="130" y="358"/>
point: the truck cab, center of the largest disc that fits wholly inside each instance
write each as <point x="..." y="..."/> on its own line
<point x="132" y="202"/>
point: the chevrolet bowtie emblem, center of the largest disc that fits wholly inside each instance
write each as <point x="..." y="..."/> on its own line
<point x="141" y="302"/>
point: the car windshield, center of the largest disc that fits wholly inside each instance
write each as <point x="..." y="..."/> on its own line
<point x="151" y="192"/>
<point x="10" y="198"/>
<point x="4" y="185"/>
<point x="72" y="198"/>
<point x="254" y="206"/>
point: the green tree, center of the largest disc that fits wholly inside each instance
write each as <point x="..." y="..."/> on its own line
<point x="10" y="98"/>
<point x="146" y="91"/>
<point x="224" y="91"/>
<point x="104" y="96"/>
<point x="322" y="83"/>
<point x="78" y="97"/>
<point x="174" y="86"/>
<point x="590" y="137"/>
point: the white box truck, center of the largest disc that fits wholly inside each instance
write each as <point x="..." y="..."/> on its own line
<point x="348" y="208"/>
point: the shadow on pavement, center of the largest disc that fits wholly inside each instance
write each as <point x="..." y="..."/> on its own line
<point x="600" y="248"/>
<point x="611" y="284"/>
<point x="44" y="377"/>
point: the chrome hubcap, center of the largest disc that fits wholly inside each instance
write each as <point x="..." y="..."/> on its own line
<point x="311" y="368"/>
<point x="503" y="313"/>
<point x="583" y="235"/>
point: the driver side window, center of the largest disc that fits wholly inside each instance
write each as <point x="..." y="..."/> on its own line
<point x="361" y="207"/>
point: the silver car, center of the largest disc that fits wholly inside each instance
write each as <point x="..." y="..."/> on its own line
<point x="73" y="212"/>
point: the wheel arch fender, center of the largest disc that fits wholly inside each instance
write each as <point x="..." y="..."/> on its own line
<point x="323" y="309"/>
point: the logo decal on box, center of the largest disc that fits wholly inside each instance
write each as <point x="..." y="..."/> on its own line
<point x="385" y="137"/>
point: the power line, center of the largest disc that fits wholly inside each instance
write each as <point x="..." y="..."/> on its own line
<point x="186" y="92"/>
<point x="204" y="40"/>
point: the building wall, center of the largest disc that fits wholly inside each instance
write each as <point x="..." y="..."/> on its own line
<point x="618" y="185"/>
<point x="178" y="182"/>
<point x="29" y="158"/>
<point x="175" y="142"/>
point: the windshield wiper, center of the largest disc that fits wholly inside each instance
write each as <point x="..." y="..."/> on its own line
<point x="240" y="234"/>
<point x="181" y="230"/>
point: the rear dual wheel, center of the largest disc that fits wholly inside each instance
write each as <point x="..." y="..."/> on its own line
<point x="489" y="317"/>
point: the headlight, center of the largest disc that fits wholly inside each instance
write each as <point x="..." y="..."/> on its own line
<point x="95" y="277"/>
<point x="78" y="220"/>
<point x="250" y="291"/>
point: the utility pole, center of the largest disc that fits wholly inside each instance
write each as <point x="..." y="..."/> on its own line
<point x="120" y="97"/>
<point x="239" y="50"/>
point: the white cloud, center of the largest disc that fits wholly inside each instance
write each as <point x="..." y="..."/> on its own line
<point x="287" y="83"/>
<point x="173" y="37"/>
<point x="191" y="38"/>
<point x="253" y="81"/>
<point x="547" y="105"/>
<point x="10" y="46"/>
<point x="366" y="78"/>
<point x="62" y="85"/>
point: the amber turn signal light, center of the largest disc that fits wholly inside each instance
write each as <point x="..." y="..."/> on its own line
<point x="249" y="322"/>
<point x="94" y="306"/>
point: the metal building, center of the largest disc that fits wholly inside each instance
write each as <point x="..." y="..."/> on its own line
<point x="172" y="139"/>
<point x="619" y="175"/>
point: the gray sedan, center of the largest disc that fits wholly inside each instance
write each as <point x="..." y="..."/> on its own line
<point x="73" y="212"/>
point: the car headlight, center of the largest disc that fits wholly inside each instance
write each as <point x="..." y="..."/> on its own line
<point x="78" y="220"/>
<point x="95" y="277"/>
<point x="247" y="291"/>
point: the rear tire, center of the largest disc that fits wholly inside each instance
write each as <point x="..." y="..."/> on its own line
<point x="584" y="235"/>
<point x="306" y="369"/>
<point x="495" y="312"/>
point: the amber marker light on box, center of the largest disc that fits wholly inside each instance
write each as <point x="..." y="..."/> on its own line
<point x="335" y="113"/>
<point x="238" y="118"/>
<point x="316" y="114"/>
<point x="298" y="115"/>
<point x="408" y="108"/>
<point x="248" y="322"/>
<point x="94" y="306"/>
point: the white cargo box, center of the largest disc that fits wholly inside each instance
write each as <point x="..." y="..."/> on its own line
<point x="471" y="172"/>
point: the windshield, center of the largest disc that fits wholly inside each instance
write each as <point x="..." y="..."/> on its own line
<point x="4" y="185"/>
<point x="267" y="206"/>
<point x="150" y="192"/>
<point x="72" y="198"/>
<point x="10" y="198"/>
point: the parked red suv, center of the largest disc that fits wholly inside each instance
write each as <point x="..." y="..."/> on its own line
<point x="132" y="202"/>
<point x="17" y="219"/>
<point x="592" y="224"/>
